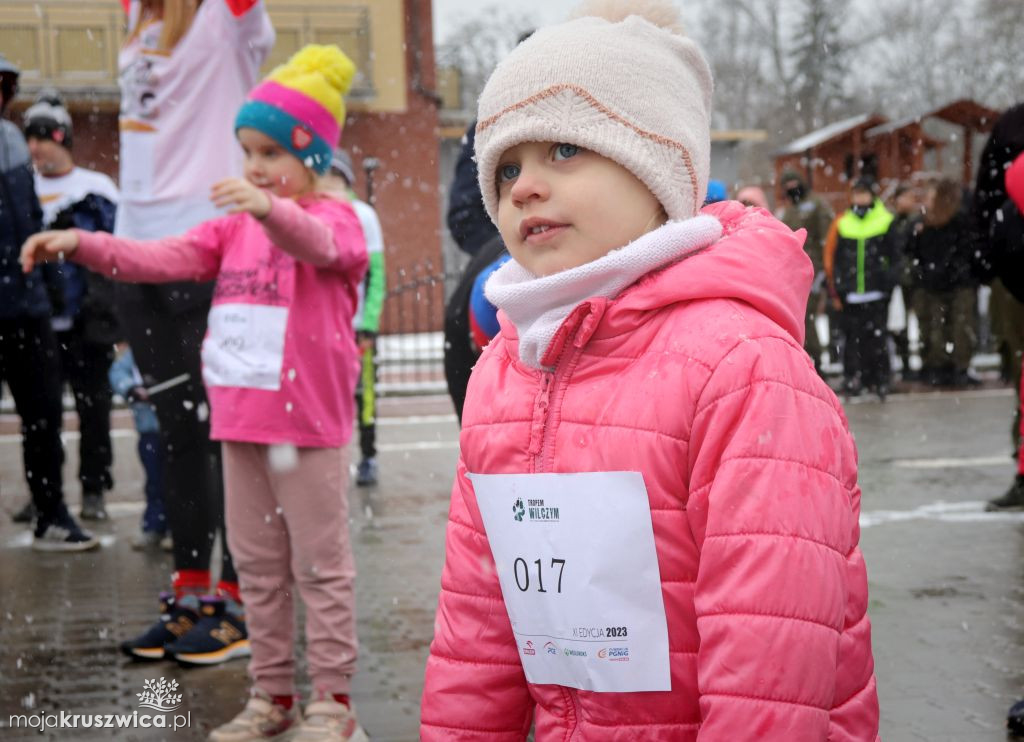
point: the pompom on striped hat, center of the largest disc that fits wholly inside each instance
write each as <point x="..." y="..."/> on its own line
<point x="301" y="106"/>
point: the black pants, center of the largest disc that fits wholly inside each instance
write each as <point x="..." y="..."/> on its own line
<point x="29" y="364"/>
<point x="84" y="365"/>
<point x="865" y="357"/>
<point x="167" y="345"/>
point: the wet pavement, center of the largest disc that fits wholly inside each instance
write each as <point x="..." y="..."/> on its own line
<point x="946" y="579"/>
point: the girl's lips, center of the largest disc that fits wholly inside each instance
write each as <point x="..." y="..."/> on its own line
<point x="541" y="238"/>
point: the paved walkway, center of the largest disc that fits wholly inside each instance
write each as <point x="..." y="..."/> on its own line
<point x="947" y="589"/>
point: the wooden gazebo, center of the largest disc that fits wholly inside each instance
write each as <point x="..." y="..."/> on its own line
<point x="832" y="156"/>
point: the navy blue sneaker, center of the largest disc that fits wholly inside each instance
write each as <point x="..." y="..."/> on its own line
<point x="62" y="533"/>
<point x="176" y="619"/>
<point x="367" y="472"/>
<point x="219" y="636"/>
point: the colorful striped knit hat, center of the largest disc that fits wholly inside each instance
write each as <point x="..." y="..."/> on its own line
<point x="300" y="105"/>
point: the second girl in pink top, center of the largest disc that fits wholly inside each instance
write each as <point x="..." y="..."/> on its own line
<point x="280" y="366"/>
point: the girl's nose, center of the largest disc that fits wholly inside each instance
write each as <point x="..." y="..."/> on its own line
<point x="530" y="185"/>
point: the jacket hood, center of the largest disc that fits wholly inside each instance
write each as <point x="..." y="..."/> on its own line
<point x="758" y="261"/>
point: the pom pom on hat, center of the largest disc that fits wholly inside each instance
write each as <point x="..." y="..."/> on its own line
<point x="324" y="73"/>
<point x="661" y="13"/>
<point x="301" y="104"/>
<point x="568" y="83"/>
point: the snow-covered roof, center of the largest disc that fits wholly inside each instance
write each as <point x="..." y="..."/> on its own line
<point x="824" y="134"/>
<point x="892" y="126"/>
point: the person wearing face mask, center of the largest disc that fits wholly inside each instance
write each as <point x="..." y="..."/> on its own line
<point x="941" y="252"/>
<point x="906" y="216"/>
<point x="805" y="210"/>
<point x="861" y="266"/>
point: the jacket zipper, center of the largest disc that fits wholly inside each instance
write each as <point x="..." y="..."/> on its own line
<point x="550" y="382"/>
<point x="547" y="443"/>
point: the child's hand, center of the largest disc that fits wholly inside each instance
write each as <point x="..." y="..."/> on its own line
<point x="46" y="247"/>
<point x="239" y="195"/>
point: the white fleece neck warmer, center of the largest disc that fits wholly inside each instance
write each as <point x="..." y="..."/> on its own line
<point x="538" y="306"/>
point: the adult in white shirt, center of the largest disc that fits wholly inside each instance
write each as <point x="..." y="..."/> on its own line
<point x="185" y="70"/>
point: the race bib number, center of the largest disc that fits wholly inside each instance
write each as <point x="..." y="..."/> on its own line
<point x="579" y="574"/>
<point x="244" y="346"/>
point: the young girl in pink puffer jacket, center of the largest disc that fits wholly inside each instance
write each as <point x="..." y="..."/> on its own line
<point x="654" y="525"/>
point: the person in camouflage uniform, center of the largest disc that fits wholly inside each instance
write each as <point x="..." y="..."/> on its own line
<point x="805" y="210"/>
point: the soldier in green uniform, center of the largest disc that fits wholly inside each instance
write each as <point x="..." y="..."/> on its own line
<point x="804" y="210"/>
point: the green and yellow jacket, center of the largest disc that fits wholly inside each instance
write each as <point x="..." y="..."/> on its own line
<point x="861" y="254"/>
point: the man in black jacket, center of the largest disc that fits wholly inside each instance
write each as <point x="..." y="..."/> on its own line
<point x="1004" y="255"/>
<point x="28" y="351"/>
<point x="940" y="253"/>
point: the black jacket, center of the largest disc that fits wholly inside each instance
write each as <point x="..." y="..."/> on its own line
<point x="459" y="352"/>
<point x="866" y="256"/>
<point x="94" y="312"/>
<point x="1006" y="249"/>
<point x="20" y="216"/>
<point x="941" y="257"/>
<point x="467" y="219"/>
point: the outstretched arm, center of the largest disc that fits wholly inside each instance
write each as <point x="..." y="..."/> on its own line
<point x="329" y="237"/>
<point x="193" y="256"/>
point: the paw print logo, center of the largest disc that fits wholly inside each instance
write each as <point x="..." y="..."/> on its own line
<point x="518" y="509"/>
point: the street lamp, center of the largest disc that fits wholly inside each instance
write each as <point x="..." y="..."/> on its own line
<point x="369" y="165"/>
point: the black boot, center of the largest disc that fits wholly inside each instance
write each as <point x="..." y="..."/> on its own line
<point x="1012" y="500"/>
<point x="1015" y="719"/>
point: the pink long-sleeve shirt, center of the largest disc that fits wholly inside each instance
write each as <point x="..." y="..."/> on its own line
<point x="293" y="274"/>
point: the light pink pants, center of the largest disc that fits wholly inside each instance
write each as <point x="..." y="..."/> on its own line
<point x="286" y="528"/>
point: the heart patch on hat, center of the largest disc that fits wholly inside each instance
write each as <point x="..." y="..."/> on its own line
<point x="301" y="137"/>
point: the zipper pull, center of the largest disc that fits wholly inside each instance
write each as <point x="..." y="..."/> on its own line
<point x="540" y="414"/>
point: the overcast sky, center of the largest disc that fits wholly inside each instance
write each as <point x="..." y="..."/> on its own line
<point x="545" y="11"/>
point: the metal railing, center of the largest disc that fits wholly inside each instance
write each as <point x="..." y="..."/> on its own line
<point x="410" y="348"/>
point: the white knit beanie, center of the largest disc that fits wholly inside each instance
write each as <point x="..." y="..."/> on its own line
<point x="620" y="80"/>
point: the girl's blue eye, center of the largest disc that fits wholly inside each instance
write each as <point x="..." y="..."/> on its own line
<point x="565" y="151"/>
<point x="507" y="173"/>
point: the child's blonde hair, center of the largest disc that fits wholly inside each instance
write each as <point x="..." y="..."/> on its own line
<point x="177" y="17"/>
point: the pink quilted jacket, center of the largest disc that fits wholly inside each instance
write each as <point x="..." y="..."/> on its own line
<point x="694" y="376"/>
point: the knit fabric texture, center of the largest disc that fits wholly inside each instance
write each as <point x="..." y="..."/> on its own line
<point x="632" y="91"/>
<point x="301" y="105"/>
<point x="538" y="306"/>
